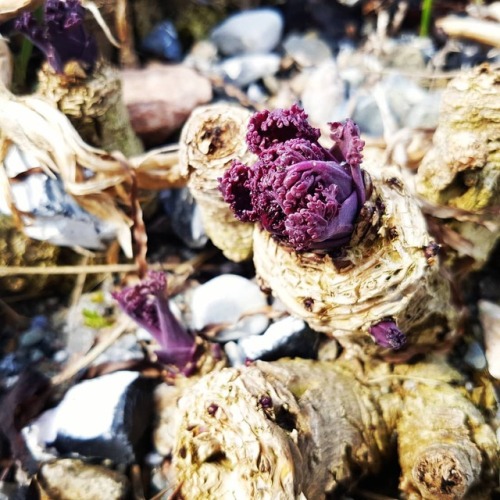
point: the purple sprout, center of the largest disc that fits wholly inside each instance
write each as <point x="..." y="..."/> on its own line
<point x="305" y="195"/>
<point x="387" y="334"/>
<point x="271" y="127"/>
<point x="61" y="36"/>
<point x="147" y="304"/>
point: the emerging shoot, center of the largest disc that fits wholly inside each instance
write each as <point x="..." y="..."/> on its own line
<point x="61" y="36"/>
<point x="308" y="197"/>
<point x="147" y="304"/>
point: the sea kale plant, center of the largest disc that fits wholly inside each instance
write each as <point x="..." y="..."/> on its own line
<point x="147" y="304"/>
<point x="61" y="36"/>
<point x="307" y="196"/>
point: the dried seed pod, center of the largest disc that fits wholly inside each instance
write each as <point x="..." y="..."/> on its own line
<point x="277" y="431"/>
<point x="462" y="170"/>
<point x="94" y="105"/>
<point x="211" y="139"/>
<point x="391" y="275"/>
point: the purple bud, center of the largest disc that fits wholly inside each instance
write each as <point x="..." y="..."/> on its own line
<point x="61" y="36"/>
<point x="266" y="402"/>
<point x="147" y="304"/>
<point x="306" y="196"/>
<point x="212" y="409"/>
<point x="387" y="334"/>
<point x="270" y="127"/>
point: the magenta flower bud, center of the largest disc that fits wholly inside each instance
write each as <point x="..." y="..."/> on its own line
<point x="267" y="128"/>
<point x="387" y="334"/>
<point x="308" y="197"/>
<point x="147" y="304"/>
<point x="61" y="36"/>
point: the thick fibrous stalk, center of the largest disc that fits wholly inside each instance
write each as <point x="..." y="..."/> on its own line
<point x="392" y="274"/>
<point x="277" y="431"/>
<point x="94" y="106"/>
<point x="455" y="452"/>
<point x="306" y="429"/>
<point x="462" y="170"/>
<point x="211" y="139"/>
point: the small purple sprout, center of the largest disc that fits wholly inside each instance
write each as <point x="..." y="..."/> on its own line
<point x="266" y="402"/>
<point x="306" y="196"/>
<point x="387" y="334"/>
<point x="212" y="409"/>
<point x="147" y="304"/>
<point x="62" y="36"/>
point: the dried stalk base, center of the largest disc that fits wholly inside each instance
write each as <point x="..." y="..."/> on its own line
<point x="446" y="449"/>
<point x="277" y="432"/>
<point x="211" y="139"/>
<point x="462" y="170"/>
<point x="94" y="106"/>
<point x="305" y="429"/>
<point x="393" y="275"/>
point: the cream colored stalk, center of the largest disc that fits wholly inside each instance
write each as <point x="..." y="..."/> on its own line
<point x="390" y="272"/>
<point x="460" y="176"/>
<point x="297" y="429"/>
<point x="211" y="139"/>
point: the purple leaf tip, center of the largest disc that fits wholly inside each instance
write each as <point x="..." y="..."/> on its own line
<point x="147" y="304"/>
<point x="61" y="36"/>
<point x="387" y="334"/>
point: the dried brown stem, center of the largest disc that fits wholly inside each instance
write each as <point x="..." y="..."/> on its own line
<point x="12" y="8"/>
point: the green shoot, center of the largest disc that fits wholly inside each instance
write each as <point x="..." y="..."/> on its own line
<point x="425" y="20"/>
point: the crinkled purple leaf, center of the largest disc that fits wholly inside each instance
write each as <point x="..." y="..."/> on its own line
<point x="62" y="36"/>
<point x="236" y="189"/>
<point x="387" y="334"/>
<point x="305" y="195"/>
<point x="147" y="304"/>
<point x="270" y="127"/>
<point x="348" y="147"/>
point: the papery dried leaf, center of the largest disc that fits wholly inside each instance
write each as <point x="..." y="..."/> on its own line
<point x="97" y="180"/>
<point x="5" y="63"/>
<point x="12" y="8"/>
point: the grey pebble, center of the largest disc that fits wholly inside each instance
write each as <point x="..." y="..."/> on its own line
<point x="257" y="30"/>
<point x="307" y="50"/>
<point x="475" y="356"/>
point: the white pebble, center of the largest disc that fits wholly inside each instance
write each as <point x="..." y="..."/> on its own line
<point x="245" y="69"/>
<point x="226" y="299"/>
<point x="276" y="335"/>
